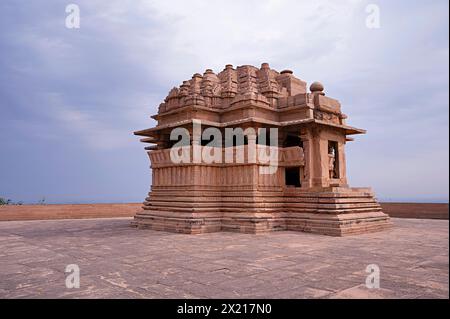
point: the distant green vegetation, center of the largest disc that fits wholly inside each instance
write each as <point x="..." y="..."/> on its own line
<point x="4" y="201"/>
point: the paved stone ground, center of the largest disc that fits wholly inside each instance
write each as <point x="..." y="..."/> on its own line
<point x="118" y="261"/>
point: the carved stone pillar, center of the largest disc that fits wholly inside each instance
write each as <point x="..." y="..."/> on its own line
<point x="342" y="165"/>
<point x="253" y="158"/>
<point x="321" y="172"/>
<point x="308" y="154"/>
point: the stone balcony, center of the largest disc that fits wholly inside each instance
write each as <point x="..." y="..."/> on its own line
<point x="289" y="156"/>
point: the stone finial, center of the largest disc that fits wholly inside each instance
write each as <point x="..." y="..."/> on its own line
<point x="286" y="72"/>
<point x="229" y="67"/>
<point x="265" y="66"/>
<point x="317" y="87"/>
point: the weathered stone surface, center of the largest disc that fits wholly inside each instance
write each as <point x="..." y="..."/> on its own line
<point x="67" y="211"/>
<point x="117" y="262"/>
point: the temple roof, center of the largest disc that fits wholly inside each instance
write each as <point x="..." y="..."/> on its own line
<point x="247" y="94"/>
<point x="220" y="90"/>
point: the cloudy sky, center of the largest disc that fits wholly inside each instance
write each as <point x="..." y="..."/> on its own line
<point x="71" y="98"/>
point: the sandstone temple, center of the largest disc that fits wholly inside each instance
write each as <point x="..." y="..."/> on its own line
<point x="308" y="189"/>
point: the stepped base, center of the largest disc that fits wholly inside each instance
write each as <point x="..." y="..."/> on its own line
<point x="334" y="212"/>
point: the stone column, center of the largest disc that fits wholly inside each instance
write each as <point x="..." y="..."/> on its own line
<point x="342" y="164"/>
<point x="306" y="138"/>
<point x="251" y="142"/>
<point x="196" y="148"/>
<point x="315" y="148"/>
<point x="321" y="172"/>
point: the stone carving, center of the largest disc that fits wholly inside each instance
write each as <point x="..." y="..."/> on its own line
<point x="325" y="116"/>
<point x="267" y="82"/>
<point x="243" y="82"/>
<point x="228" y="82"/>
<point x="247" y="80"/>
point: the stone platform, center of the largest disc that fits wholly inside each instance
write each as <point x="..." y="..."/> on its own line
<point x="117" y="261"/>
<point x="334" y="211"/>
<point x="84" y="211"/>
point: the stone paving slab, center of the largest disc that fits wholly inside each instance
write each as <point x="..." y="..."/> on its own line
<point x="117" y="261"/>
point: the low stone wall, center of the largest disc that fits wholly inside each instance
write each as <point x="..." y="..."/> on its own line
<point x="37" y="212"/>
<point x="416" y="210"/>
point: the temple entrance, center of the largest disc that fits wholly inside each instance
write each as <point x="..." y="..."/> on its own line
<point x="333" y="157"/>
<point x="292" y="177"/>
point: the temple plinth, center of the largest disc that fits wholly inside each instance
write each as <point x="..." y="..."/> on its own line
<point x="286" y="172"/>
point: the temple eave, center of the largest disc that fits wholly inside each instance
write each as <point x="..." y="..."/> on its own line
<point x="349" y="130"/>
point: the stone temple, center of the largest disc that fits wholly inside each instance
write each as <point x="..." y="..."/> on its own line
<point x="308" y="191"/>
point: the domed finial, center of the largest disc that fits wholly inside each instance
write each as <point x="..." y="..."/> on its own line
<point x="286" y="72"/>
<point x="265" y="66"/>
<point x="229" y="66"/>
<point x="209" y="71"/>
<point x="316" y="87"/>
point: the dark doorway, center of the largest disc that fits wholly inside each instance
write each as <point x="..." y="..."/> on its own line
<point x="292" y="140"/>
<point x="333" y="153"/>
<point x="292" y="176"/>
